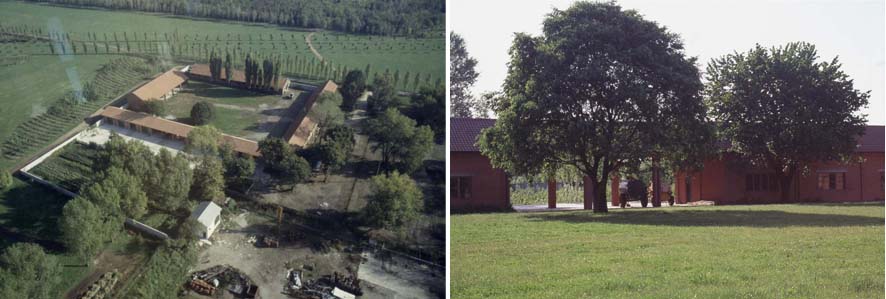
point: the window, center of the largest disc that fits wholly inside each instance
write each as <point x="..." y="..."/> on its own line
<point x="831" y="180"/>
<point x="460" y="187"/>
<point x="765" y="182"/>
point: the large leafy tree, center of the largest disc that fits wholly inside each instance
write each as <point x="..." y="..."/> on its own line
<point x="429" y="108"/>
<point x="352" y="88"/>
<point x="600" y="89"/>
<point x="85" y="228"/>
<point x="462" y="76"/>
<point x="399" y="140"/>
<point x="383" y="96"/>
<point x="781" y="108"/>
<point x="209" y="182"/>
<point x="395" y="201"/>
<point x="335" y="147"/>
<point x="203" y="140"/>
<point x="28" y="272"/>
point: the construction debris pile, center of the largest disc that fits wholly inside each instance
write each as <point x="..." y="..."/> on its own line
<point x="325" y="287"/>
<point x="102" y="287"/>
<point x="209" y="281"/>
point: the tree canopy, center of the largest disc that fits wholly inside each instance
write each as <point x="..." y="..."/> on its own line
<point x="352" y="88"/>
<point x="203" y="140"/>
<point x="428" y="108"/>
<point x="395" y="201"/>
<point x="400" y="140"/>
<point x="599" y="89"/>
<point x="202" y="113"/>
<point x="780" y="108"/>
<point x="383" y="96"/>
<point x="26" y="271"/>
<point x="462" y="75"/>
<point x="209" y="182"/>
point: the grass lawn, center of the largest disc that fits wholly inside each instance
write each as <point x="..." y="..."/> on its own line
<point x="237" y="111"/>
<point x="764" y="251"/>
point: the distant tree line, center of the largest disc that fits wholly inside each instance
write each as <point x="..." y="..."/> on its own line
<point x="380" y="17"/>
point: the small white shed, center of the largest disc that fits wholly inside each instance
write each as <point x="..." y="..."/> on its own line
<point x="209" y="214"/>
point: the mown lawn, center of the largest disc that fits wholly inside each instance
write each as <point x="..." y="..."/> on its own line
<point x="765" y="251"/>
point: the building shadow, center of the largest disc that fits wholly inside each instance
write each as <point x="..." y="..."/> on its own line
<point x="705" y="217"/>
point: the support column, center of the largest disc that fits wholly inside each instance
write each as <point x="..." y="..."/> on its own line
<point x="656" y="182"/>
<point x="588" y="189"/>
<point x="615" y="192"/>
<point x="552" y="193"/>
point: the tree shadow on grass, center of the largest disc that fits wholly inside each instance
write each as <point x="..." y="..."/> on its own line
<point x="705" y="217"/>
<point x="33" y="211"/>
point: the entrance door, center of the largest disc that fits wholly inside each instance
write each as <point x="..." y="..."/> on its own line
<point x="688" y="188"/>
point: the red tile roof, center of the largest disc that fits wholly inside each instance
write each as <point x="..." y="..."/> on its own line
<point x="178" y="129"/>
<point x="463" y="133"/>
<point x="160" y="86"/>
<point x="299" y="132"/>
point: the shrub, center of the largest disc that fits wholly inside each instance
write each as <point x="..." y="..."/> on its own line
<point x="202" y="113"/>
<point x="5" y="180"/>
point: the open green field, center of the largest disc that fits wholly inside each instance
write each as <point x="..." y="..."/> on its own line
<point x="153" y="33"/>
<point x="765" y="251"/>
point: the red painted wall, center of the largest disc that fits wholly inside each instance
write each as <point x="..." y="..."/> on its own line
<point x="489" y="187"/>
<point x="724" y="183"/>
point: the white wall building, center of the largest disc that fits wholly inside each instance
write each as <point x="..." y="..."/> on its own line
<point x="209" y="214"/>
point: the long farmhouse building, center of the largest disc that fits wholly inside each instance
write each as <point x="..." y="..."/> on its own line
<point x="475" y="185"/>
<point x="299" y="133"/>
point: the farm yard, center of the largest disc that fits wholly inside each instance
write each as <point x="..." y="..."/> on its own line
<point x="238" y="112"/>
<point x="765" y="251"/>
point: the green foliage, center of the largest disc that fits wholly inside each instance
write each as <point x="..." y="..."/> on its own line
<point x="203" y="140"/>
<point x="383" y="96"/>
<point x="600" y="89"/>
<point x="462" y="76"/>
<point x="429" y="109"/>
<point x="85" y="228"/>
<point x="781" y="109"/>
<point x="164" y="273"/>
<point x="209" y="182"/>
<point x="156" y="107"/>
<point x="335" y="146"/>
<point x="273" y="150"/>
<point x="118" y="193"/>
<point x="5" y="180"/>
<point x="202" y="113"/>
<point x="327" y="111"/>
<point x="238" y="170"/>
<point x="293" y="169"/>
<point x="28" y="272"/>
<point x="395" y="201"/>
<point x="399" y="140"/>
<point x="352" y="88"/>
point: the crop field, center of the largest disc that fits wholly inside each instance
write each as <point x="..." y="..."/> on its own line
<point x="763" y="251"/>
<point x="32" y="134"/>
<point x="86" y="32"/>
<point x="69" y="167"/>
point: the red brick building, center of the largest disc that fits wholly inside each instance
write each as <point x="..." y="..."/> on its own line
<point x="474" y="184"/>
<point x="726" y="182"/>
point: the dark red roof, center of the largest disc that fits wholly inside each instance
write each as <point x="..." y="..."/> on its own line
<point x="463" y="133"/>
<point x="872" y="140"/>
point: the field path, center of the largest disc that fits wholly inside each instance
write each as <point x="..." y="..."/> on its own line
<point x="311" y="46"/>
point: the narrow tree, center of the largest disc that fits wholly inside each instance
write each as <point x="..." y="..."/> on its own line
<point x="209" y="183"/>
<point x="352" y="88"/>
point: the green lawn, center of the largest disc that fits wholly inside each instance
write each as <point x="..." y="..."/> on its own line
<point x="425" y="55"/>
<point x="237" y="111"/>
<point x="765" y="251"/>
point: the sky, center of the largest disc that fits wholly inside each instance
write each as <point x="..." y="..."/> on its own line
<point x="854" y="30"/>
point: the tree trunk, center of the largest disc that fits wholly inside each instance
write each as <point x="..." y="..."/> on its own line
<point x="656" y="183"/>
<point x="600" y="202"/>
<point x="784" y="180"/>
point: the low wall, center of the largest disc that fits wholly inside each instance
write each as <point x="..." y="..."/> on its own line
<point x="144" y="228"/>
